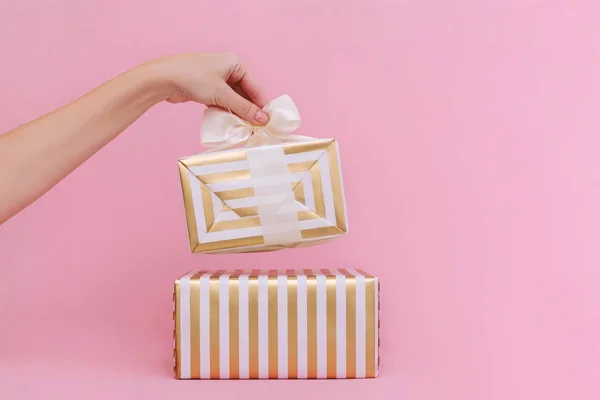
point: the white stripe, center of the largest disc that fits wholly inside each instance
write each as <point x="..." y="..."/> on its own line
<point x="340" y="309"/>
<point x="361" y="325"/>
<point x="302" y="363"/>
<point x="217" y="205"/>
<point x="309" y="196"/>
<point x="282" y="332"/>
<point x="244" y="346"/>
<point x="230" y="185"/>
<point x="246" y="183"/>
<point x="227" y="216"/>
<point x="240" y="203"/>
<point x="327" y="191"/>
<point x="252" y="201"/>
<point x="205" y="326"/>
<point x="218" y="168"/>
<point x="224" y="326"/>
<point x="243" y="249"/>
<point x="184" y="325"/>
<point x="376" y="327"/>
<point x="198" y="206"/>
<point x="276" y="198"/>
<point x="243" y="165"/>
<point x="321" y="324"/>
<point x="305" y="156"/>
<point x="269" y="179"/>
<point x="257" y="231"/>
<point x="263" y="326"/>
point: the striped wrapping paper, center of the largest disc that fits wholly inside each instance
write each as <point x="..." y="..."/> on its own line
<point x="224" y="195"/>
<point x="276" y="324"/>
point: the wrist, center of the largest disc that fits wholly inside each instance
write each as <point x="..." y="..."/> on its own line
<point x="152" y="82"/>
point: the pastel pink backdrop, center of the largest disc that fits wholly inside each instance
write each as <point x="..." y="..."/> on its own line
<point x="470" y="139"/>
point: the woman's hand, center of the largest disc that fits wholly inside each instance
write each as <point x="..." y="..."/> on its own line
<point x="213" y="79"/>
<point x="61" y="140"/>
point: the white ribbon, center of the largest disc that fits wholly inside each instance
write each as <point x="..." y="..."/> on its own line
<point x="271" y="179"/>
<point x="222" y="129"/>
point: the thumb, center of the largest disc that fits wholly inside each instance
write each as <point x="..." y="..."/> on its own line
<point x="247" y="110"/>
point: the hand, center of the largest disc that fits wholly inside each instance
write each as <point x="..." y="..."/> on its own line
<point x="213" y="79"/>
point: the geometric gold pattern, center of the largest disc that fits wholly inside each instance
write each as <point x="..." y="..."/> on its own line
<point x="221" y="210"/>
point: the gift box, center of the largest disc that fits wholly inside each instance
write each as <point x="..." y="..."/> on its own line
<point x="276" y="324"/>
<point x="281" y="191"/>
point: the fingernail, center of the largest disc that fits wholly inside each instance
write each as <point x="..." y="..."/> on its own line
<point x="261" y="117"/>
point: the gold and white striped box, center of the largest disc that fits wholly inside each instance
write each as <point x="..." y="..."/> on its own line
<point x="223" y="197"/>
<point x="273" y="324"/>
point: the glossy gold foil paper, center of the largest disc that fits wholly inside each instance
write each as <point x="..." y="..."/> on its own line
<point x="275" y="324"/>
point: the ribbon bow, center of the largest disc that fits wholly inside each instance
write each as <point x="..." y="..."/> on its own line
<point x="222" y="129"/>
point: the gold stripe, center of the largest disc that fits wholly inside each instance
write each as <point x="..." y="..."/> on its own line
<point x="303" y="147"/>
<point x="299" y="193"/>
<point x="253" y="211"/>
<point x="318" y="189"/>
<point x="214" y="158"/>
<point x="195" y="325"/>
<point x="215" y="367"/>
<point x="234" y="328"/>
<point x="235" y="224"/>
<point x="350" y="324"/>
<point x="246" y="211"/>
<point x="331" y="325"/>
<point x="177" y="329"/>
<point x="336" y="186"/>
<point x="229" y="244"/>
<point x="225" y="176"/>
<point x="370" y="321"/>
<point x="235" y="194"/>
<point x="365" y="274"/>
<point x="311" y="315"/>
<point x="303" y="166"/>
<point x="250" y="222"/>
<point x="209" y="215"/>
<point x="320" y="232"/>
<point x="346" y="273"/>
<point x="253" y="324"/>
<point x="272" y="320"/>
<point x="292" y="295"/>
<point x="225" y="208"/>
<point x="188" y="203"/>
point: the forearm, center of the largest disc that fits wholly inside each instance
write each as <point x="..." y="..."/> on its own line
<point x="37" y="155"/>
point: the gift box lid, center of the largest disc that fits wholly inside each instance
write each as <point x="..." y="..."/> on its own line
<point x="233" y="205"/>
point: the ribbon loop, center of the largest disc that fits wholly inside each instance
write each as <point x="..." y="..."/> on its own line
<point x="221" y="129"/>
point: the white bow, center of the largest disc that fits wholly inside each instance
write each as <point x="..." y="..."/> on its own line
<point x="222" y="129"/>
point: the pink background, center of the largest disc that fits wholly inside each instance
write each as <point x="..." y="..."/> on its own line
<point x="470" y="139"/>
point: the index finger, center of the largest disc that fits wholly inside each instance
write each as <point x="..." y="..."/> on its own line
<point x="253" y="90"/>
<point x="247" y="83"/>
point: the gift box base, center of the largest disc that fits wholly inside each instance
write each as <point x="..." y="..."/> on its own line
<point x="292" y="324"/>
